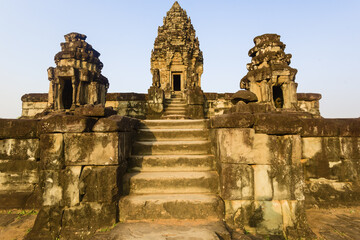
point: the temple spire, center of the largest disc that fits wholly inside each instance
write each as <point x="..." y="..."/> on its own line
<point x="176" y="53"/>
<point x="175" y="6"/>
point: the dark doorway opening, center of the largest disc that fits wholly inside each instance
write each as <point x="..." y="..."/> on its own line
<point x="177" y="82"/>
<point x="67" y="94"/>
<point x="278" y="97"/>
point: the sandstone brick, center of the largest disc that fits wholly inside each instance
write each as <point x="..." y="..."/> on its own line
<point x="52" y="151"/>
<point x="349" y="127"/>
<point x="66" y="123"/>
<point x="94" y="111"/>
<point x="101" y="184"/>
<point x="240" y="214"/>
<point x="281" y="182"/>
<point x="261" y="152"/>
<point x="311" y="146"/>
<point x="47" y="224"/>
<point x="289" y="213"/>
<point x="237" y="182"/>
<point x="51" y="183"/>
<point x="331" y="148"/>
<point x="71" y="185"/>
<point x="320" y="127"/>
<point x="262" y="182"/>
<point x="350" y="147"/>
<point x="272" y="123"/>
<point x="18" y="128"/>
<point x="19" y="149"/>
<point x="18" y="165"/>
<point x="19" y="181"/>
<point x="79" y="220"/>
<point x="116" y="123"/>
<point x="285" y="150"/>
<point x="234" y="120"/>
<point x="235" y="145"/>
<point x="95" y="148"/>
<point x="272" y="222"/>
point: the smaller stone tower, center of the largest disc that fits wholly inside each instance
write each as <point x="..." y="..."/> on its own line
<point x="270" y="77"/>
<point x="76" y="80"/>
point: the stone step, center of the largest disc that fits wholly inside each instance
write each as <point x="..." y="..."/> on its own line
<point x="174" y="111"/>
<point x="175" y="101"/>
<point x="171" y="206"/>
<point x="174" y="124"/>
<point x="172" y="134"/>
<point x="171" y="182"/>
<point x="171" y="163"/>
<point x="175" y="108"/>
<point x="174" y="117"/>
<point x="183" y="105"/>
<point x="170" y="147"/>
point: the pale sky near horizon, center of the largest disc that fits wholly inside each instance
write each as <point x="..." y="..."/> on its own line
<point x="323" y="37"/>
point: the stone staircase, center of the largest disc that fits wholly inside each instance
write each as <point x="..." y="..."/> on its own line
<point x="175" y="108"/>
<point x="171" y="174"/>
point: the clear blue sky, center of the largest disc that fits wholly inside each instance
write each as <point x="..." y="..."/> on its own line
<point x="323" y="36"/>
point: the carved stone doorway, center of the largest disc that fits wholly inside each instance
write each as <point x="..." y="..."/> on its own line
<point x="67" y="94"/>
<point x="278" y="97"/>
<point x="177" y="82"/>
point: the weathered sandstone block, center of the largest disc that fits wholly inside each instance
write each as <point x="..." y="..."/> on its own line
<point x="98" y="110"/>
<point x="47" y="224"/>
<point x="237" y="182"/>
<point x="19" y="181"/>
<point x="116" y="123"/>
<point x="94" y="148"/>
<point x="52" y="187"/>
<point x="234" y="120"/>
<point x="52" y="151"/>
<point x="86" y="218"/>
<point x="320" y="127"/>
<point x="19" y="149"/>
<point x="71" y="185"/>
<point x="272" y="217"/>
<point x="262" y="182"/>
<point x="235" y="145"/>
<point x="66" y="123"/>
<point x="350" y="147"/>
<point x="284" y="123"/>
<point x="265" y="217"/>
<point x="101" y="184"/>
<point x="18" y="128"/>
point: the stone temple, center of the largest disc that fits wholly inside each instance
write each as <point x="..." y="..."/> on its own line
<point x="177" y="160"/>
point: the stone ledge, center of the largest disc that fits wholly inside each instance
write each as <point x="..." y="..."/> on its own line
<point x="289" y="123"/>
<point x="308" y="96"/>
<point x="323" y="127"/>
<point x="35" y="97"/>
<point x="116" y="123"/>
<point x="235" y="120"/>
<point x="18" y="128"/>
<point x="277" y="123"/>
<point x="90" y="110"/>
<point x="66" y="123"/>
<point x="214" y="96"/>
<point x="129" y="96"/>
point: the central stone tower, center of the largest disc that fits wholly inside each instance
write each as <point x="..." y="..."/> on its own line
<point x="176" y="63"/>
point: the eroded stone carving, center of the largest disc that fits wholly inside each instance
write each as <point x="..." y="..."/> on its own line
<point x="270" y="77"/>
<point x="76" y="80"/>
